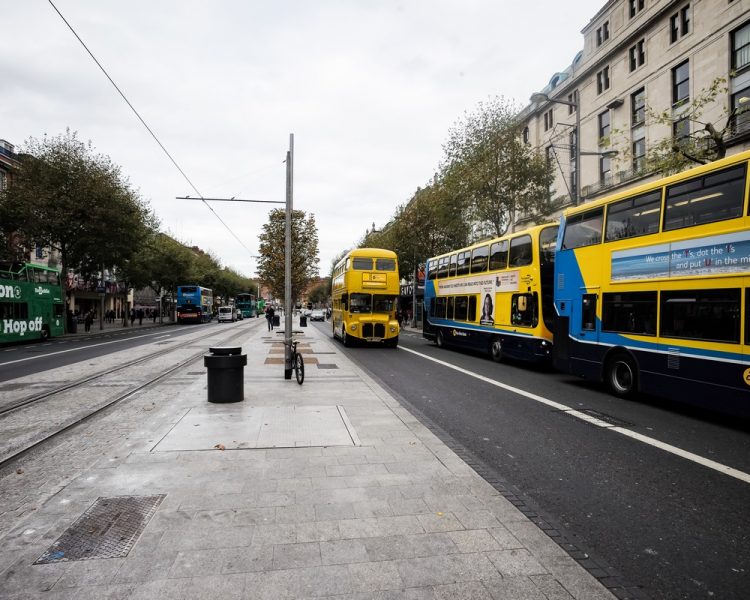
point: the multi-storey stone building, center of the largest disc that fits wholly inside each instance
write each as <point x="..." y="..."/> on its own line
<point x="639" y="54"/>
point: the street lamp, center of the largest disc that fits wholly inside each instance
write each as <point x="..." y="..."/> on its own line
<point x="575" y="194"/>
<point x="539" y="97"/>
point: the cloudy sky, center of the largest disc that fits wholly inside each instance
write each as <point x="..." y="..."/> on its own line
<point x="369" y="88"/>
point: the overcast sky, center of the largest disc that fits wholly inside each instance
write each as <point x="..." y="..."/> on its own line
<point x="368" y="87"/>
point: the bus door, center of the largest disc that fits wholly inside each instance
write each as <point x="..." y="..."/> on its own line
<point x="561" y="335"/>
<point x="583" y="319"/>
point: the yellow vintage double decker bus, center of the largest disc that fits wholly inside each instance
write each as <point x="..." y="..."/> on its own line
<point x="365" y="290"/>
<point x="495" y="296"/>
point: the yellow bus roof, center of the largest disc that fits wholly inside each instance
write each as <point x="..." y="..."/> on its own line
<point x="657" y="183"/>
<point x="507" y="236"/>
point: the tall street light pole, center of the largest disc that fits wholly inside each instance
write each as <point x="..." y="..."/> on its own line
<point x="288" y="260"/>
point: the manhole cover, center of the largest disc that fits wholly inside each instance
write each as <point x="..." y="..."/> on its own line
<point x="108" y="529"/>
<point x="327" y="366"/>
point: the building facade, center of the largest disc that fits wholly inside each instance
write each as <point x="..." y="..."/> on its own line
<point x="591" y="120"/>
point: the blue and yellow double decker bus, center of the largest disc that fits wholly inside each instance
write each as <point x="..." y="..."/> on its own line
<point x="31" y="302"/>
<point x="194" y="304"/>
<point x="247" y="305"/>
<point x="652" y="288"/>
<point x="495" y="296"/>
<point x="364" y="291"/>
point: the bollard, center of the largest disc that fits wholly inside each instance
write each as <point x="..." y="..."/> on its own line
<point x="225" y="374"/>
<point x="276" y="321"/>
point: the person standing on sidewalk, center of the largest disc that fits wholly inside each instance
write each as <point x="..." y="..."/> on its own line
<point x="269" y="317"/>
<point x="87" y="321"/>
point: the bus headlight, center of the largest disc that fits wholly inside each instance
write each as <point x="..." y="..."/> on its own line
<point x="353" y="327"/>
<point x="393" y="329"/>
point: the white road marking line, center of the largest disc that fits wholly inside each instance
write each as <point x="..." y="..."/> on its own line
<point x="696" y="458"/>
<point x="10" y="362"/>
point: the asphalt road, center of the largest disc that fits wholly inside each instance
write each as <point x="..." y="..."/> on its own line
<point x="661" y="524"/>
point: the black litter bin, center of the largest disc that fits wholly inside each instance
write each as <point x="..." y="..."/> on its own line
<point x="225" y="374"/>
<point x="303" y="321"/>
<point x="276" y="321"/>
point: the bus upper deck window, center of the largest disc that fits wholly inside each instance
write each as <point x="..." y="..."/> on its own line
<point x="712" y="197"/>
<point x="452" y="266"/>
<point x="432" y="269"/>
<point x="520" y="251"/>
<point x="499" y="255"/>
<point x="362" y="264"/>
<point x="583" y="229"/>
<point x="479" y="259"/>
<point x="463" y="263"/>
<point x="385" y="264"/>
<point x="547" y="243"/>
<point x="634" y="216"/>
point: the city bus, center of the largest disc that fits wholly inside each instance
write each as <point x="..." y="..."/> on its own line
<point x="247" y="305"/>
<point x="31" y="303"/>
<point x="194" y="304"/>
<point x="495" y="296"/>
<point x="652" y="288"/>
<point x="365" y="290"/>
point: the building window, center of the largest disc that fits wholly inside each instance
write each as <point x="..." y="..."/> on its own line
<point x="525" y="135"/>
<point x="636" y="6"/>
<point x="573" y="99"/>
<point x="3" y="180"/>
<point x="681" y="129"/>
<point x="637" y="55"/>
<point x="679" y="24"/>
<point x="604" y="125"/>
<point x="639" y="151"/>
<point x="602" y="80"/>
<point x="741" y="119"/>
<point x="741" y="48"/>
<point x="548" y="120"/>
<point x="681" y="83"/>
<point x="602" y="34"/>
<point x="39" y="251"/>
<point x="638" y="107"/>
<point x="605" y="170"/>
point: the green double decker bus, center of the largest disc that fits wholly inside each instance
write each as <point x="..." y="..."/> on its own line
<point x="31" y="303"/>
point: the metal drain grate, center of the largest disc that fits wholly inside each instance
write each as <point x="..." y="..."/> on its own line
<point x="327" y="366"/>
<point x="108" y="529"/>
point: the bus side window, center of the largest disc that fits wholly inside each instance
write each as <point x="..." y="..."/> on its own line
<point x="472" y="308"/>
<point x="523" y="310"/>
<point x="344" y="301"/>
<point x="588" y="312"/>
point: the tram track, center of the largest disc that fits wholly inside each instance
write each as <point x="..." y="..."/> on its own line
<point x="26" y="433"/>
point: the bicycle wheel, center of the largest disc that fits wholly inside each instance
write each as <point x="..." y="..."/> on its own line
<point x="299" y="368"/>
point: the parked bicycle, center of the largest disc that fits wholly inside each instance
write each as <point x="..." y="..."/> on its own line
<point x="298" y="364"/>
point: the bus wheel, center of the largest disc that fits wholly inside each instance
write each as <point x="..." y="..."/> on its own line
<point x="496" y="349"/>
<point x="439" y="340"/>
<point x="621" y="376"/>
<point x="45" y="333"/>
<point x="391" y="343"/>
<point x="345" y="338"/>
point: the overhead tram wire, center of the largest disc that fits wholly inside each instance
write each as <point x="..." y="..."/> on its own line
<point x="153" y="135"/>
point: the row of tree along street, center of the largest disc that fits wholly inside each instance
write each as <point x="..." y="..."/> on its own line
<point x="66" y="197"/>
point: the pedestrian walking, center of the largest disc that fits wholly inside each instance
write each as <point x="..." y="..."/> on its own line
<point x="140" y="316"/>
<point x="269" y="317"/>
<point x="87" y="321"/>
<point x="132" y="317"/>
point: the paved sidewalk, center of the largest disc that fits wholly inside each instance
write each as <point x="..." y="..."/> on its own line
<point x="357" y="501"/>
